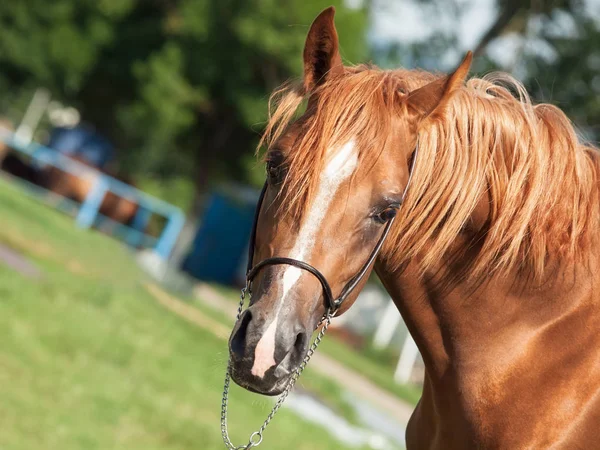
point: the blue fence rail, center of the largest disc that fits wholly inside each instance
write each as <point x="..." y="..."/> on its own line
<point x="88" y="212"/>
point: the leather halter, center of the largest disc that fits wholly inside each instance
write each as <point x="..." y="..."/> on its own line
<point x="332" y="303"/>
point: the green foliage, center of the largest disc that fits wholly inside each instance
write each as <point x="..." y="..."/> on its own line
<point x="204" y="92"/>
<point x="56" y="43"/>
<point x="556" y="55"/>
<point x="572" y="81"/>
<point x="565" y="73"/>
<point x="181" y="86"/>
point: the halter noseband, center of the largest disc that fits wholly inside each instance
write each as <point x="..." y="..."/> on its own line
<point x="332" y="303"/>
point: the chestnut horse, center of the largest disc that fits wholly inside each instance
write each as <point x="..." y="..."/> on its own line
<point x="492" y="259"/>
<point x="77" y="187"/>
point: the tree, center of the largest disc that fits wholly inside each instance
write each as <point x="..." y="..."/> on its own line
<point x="559" y="57"/>
<point x="571" y="79"/>
<point x="514" y="15"/>
<point x="54" y="44"/>
<point x="180" y="86"/>
<point x="204" y="91"/>
<point x="553" y="49"/>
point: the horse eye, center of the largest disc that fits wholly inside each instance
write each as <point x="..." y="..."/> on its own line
<point x="274" y="172"/>
<point x="386" y="215"/>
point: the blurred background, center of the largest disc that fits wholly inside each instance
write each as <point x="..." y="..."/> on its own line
<point x="127" y="189"/>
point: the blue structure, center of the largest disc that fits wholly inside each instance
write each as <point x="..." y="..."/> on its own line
<point x="88" y="213"/>
<point x="219" y="251"/>
<point x="84" y="142"/>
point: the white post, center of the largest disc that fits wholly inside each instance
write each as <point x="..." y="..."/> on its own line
<point x="407" y="360"/>
<point x="32" y="117"/>
<point x="387" y="326"/>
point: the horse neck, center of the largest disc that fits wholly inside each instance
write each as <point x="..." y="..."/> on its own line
<point x="454" y="327"/>
<point x="466" y="335"/>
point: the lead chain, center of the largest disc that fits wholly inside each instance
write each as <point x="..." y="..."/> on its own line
<point x="257" y="437"/>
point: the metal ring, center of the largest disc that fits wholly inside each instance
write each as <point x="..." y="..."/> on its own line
<point x="255" y="443"/>
<point x="256" y="433"/>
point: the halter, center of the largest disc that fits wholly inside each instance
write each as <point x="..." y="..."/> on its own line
<point x="333" y="305"/>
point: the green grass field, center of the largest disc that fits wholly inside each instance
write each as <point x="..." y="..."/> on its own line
<point x="89" y="360"/>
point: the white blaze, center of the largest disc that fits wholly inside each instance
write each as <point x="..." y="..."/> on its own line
<point x="340" y="167"/>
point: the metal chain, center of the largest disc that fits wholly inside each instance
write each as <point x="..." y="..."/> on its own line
<point x="257" y="437"/>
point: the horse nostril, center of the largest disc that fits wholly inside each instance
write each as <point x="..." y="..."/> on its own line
<point x="300" y="347"/>
<point x="238" y="341"/>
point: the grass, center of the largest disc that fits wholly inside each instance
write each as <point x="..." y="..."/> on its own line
<point x="369" y="365"/>
<point x="89" y="360"/>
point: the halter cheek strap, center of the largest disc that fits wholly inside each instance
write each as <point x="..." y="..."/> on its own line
<point x="333" y="304"/>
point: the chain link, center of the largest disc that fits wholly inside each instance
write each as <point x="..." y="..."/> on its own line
<point x="257" y="437"/>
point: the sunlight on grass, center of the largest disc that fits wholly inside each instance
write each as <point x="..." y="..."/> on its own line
<point x="89" y="360"/>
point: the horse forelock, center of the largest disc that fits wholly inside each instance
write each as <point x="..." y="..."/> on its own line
<point x="358" y="106"/>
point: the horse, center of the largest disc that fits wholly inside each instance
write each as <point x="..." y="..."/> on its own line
<point x="11" y="162"/>
<point x="492" y="255"/>
<point x="77" y="187"/>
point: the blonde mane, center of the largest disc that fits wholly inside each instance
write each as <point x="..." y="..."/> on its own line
<point x="489" y="143"/>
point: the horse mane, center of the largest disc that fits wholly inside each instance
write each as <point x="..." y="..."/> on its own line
<point x="489" y="143"/>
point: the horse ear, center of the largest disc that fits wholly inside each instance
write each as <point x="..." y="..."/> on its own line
<point x="321" y="55"/>
<point x="433" y="96"/>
